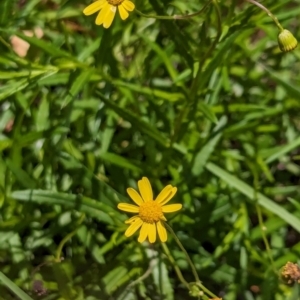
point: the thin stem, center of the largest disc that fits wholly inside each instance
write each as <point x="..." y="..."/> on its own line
<point x="266" y="242"/>
<point x="66" y="238"/>
<point x="268" y="13"/>
<point x="176" y="268"/>
<point x="260" y="219"/>
<point x="194" y="271"/>
<point x="152" y="264"/>
<point x="174" y="17"/>
<point x="5" y="43"/>
<point x="154" y="16"/>
<point x="195" y="84"/>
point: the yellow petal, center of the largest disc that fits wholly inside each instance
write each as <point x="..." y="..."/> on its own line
<point x="145" y="189"/>
<point x="101" y="16"/>
<point x="144" y="232"/>
<point x="171" y="208"/>
<point x="109" y="16"/>
<point x="132" y="219"/>
<point x="128" y="5"/>
<point x="169" y="196"/>
<point x="162" y="232"/>
<point x="123" y="12"/>
<point x="133" y="228"/>
<point x="94" y="7"/>
<point x="135" y="196"/>
<point x="128" y="207"/>
<point x="164" y="193"/>
<point x="152" y="233"/>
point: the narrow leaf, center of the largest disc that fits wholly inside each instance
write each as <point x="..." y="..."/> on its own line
<point x="248" y="191"/>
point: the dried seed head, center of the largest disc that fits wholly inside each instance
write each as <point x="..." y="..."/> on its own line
<point x="290" y="273"/>
<point x="39" y="288"/>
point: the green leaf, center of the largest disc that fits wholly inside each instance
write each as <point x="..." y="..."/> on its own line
<point x="207" y="112"/>
<point x="291" y="89"/>
<point x="12" y="88"/>
<point x="24" y="179"/>
<point x="203" y="155"/>
<point x="163" y="55"/>
<point x="6" y="11"/>
<point x="78" y="81"/>
<point x="96" y="209"/>
<point x="248" y="191"/>
<point x="278" y="152"/>
<point x="119" y="161"/>
<point x="45" y="46"/>
<point x="168" y="96"/>
<point x="219" y="56"/>
<point x="63" y="272"/>
<point x="135" y="121"/>
<point x="14" y="288"/>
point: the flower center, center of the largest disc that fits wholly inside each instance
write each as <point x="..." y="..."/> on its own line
<point x="115" y="2"/>
<point x="151" y="212"/>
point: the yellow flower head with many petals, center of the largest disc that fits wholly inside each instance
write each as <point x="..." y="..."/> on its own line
<point x="150" y="213"/>
<point x="107" y="10"/>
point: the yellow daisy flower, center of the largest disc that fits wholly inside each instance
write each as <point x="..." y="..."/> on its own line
<point x="150" y="212"/>
<point x="107" y="10"/>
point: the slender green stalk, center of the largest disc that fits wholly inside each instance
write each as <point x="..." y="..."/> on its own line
<point x="268" y="13"/>
<point x="194" y="271"/>
<point x="154" y="16"/>
<point x="5" y="43"/>
<point x="174" y="17"/>
<point x="266" y="242"/>
<point x="66" y="238"/>
<point x="261" y="222"/>
<point x="196" y="84"/>
<point x="176" y="268"/>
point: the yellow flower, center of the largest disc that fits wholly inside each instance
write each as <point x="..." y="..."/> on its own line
<point x="107" y="10"/>
<point x="150" y="212"/>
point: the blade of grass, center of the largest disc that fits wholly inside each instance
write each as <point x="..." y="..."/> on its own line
<point x="248" y="191"/>
<point x="14" y="288"/>
<point x="135" y="121"/>
<point x="6" y="11"/>
<point x="94" y="208"/>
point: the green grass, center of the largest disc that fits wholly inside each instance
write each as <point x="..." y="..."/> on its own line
<point x="208" y="104"/>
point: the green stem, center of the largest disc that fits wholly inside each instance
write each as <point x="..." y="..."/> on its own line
<point x="268" y="13"/>
<point x="66" y="238"/>
<point x="5" y="43"/>
<point x="176" y="268"/>
<point x="194" y="271"/>
<point x="266" y="242"/>
<point x="197" y="84"/>
<point x="174" y="17"/>
<point x="260" y="220"/>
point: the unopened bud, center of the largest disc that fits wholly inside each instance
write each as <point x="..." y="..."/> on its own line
<point x="194" y="290"/>
<point x="286" y="41"/>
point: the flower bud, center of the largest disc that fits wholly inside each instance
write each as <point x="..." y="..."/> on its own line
<point x="286" y="41"/>
<point x="194" y="290"/>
